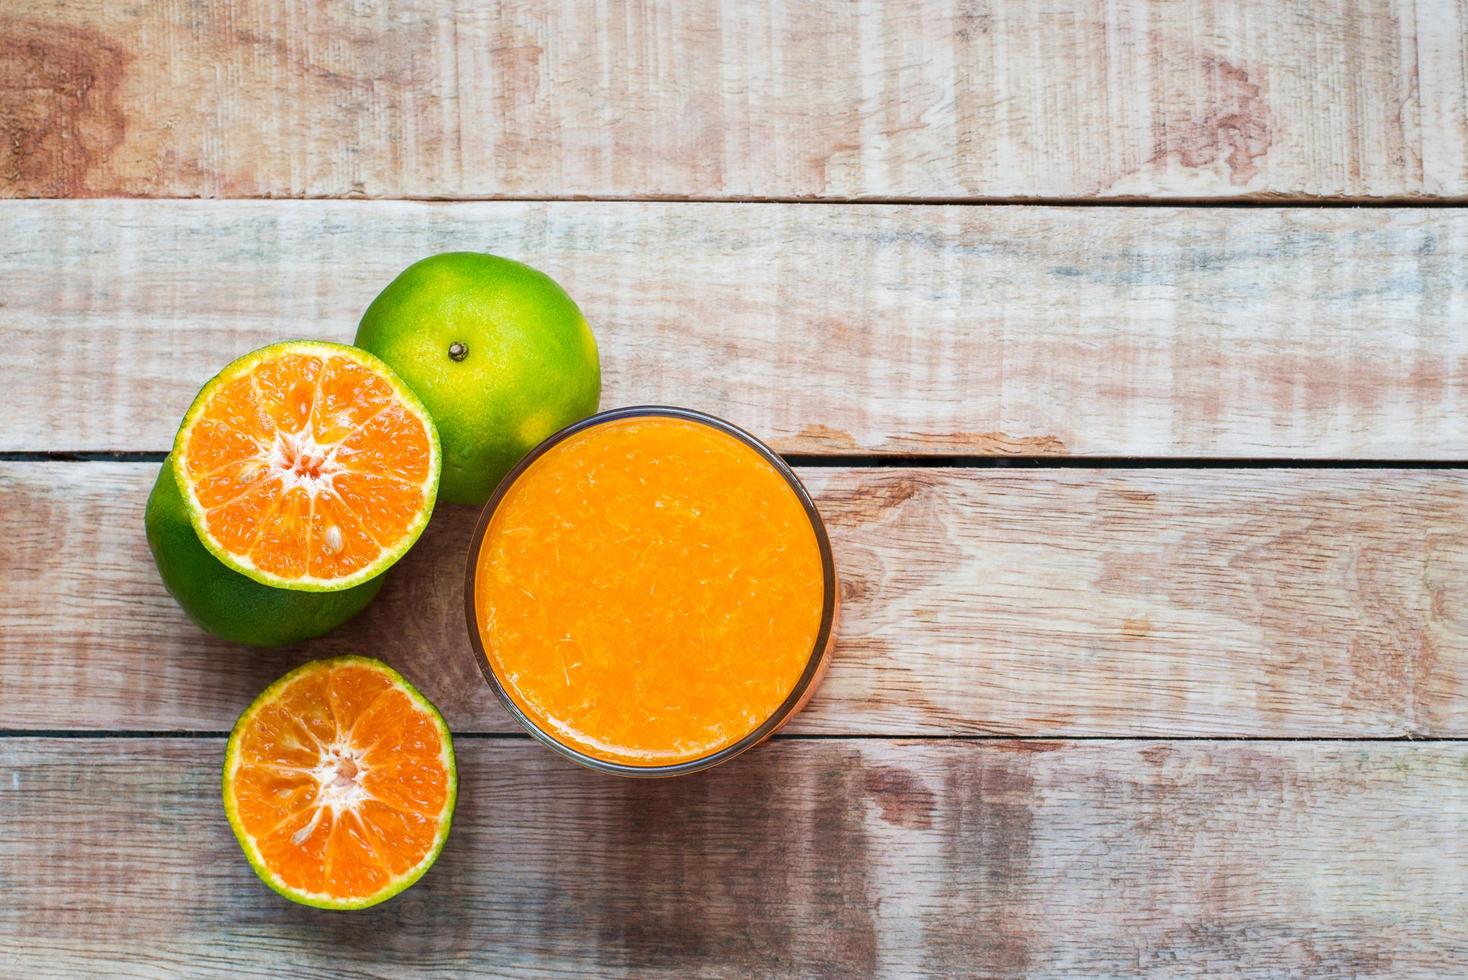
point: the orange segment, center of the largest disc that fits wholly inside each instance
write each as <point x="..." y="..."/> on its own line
<point x="238" y="404"/>
<point x="383" y="824"/>
<point x="273" y="796"/>
<point x="307" y="703"/>
<point x="339" y="541"/>
<point x="331" y="809"/>
<point x="391" y="443"/>
<point x="393" y="502"/>
<point x="387" y="727"/>
<point x="216" y="445"/>
<point x="351" y="691"/>
<point x="352" y="864"/>
<point x="307" y="465"/>
<point x="296" y="849"/>
<point x="235" y="525"/>
<point x="281" y="546"/>
<point x="410" y="786"/>
<point x="287" y="387"/>
<point x="278" y="738"/>
<point x="348" y="396"/>
<point x="231" y="481"/>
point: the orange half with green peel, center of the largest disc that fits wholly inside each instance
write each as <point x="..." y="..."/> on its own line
<point x="307" y="465"/>
<point x="340" y="783"/>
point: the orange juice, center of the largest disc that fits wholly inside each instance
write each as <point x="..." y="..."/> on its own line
<point x="651" y="590"/>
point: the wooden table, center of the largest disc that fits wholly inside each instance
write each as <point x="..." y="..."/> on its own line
<point x="1146" y="481"/>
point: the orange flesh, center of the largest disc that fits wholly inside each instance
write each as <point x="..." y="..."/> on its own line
<point x="341" y="782"/>
<point x="649" y="591"/>
<point x="308" y="466"/>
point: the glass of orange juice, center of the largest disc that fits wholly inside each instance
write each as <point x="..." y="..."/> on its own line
<point x="651" y="592"/>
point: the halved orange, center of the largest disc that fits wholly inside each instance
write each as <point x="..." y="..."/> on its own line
<point x="307" y="465"/>
<point x="340" y="783"/>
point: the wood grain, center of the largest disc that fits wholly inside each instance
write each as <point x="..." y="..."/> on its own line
<point x="825" y="329"/>
<point x="816" y="98"/>
<point x="836" y="858"/>
<point x="1329" y="603"/>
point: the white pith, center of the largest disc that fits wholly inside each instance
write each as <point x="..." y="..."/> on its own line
<point x="297" y="459"/>
<point x="338" y="777"/>
<point x="301" y="461"/>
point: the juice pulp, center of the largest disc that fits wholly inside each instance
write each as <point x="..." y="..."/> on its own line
<point x="649" y="591"/>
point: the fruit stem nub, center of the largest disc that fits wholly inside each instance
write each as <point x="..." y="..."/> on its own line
<point x="458" y="351"/>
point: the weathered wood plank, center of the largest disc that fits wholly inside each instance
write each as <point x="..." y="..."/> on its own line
<point x="1148" y="332"/>
<point x="1061" y="602"/>
<point x="817" y="98"/>
<point x="839" y="858"/>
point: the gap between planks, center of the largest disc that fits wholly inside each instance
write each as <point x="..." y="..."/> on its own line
<point x="1276" y="201"/>
<point x="80" y="734"/>
<point x="845" y="461"/>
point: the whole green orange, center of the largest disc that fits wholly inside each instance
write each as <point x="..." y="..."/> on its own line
<point x="497" y="351"/>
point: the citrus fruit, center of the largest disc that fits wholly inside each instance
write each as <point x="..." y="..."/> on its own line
<point x="223" y="601"/>
<point x="498" y="352"/>
<point x="339" y="782"/>
<point x="307" y="465"/>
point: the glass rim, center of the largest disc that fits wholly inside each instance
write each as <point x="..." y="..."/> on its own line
<point x="814" y="662"/>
